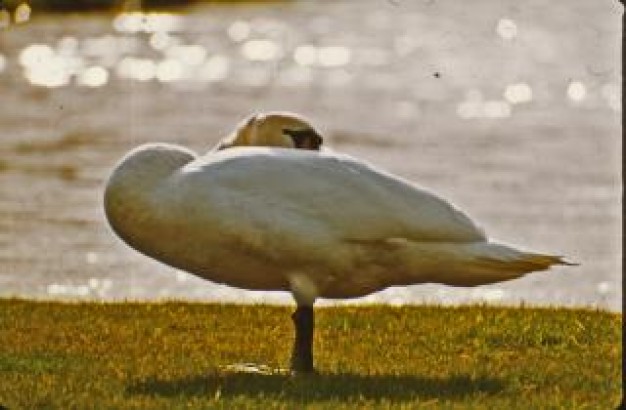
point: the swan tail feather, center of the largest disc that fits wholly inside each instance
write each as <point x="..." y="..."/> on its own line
<point x="473" y="264"/>
<point x="524" y="263"/>
<point x="493" y="262"/>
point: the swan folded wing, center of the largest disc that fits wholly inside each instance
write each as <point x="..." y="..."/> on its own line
<point x="315" y="198"/>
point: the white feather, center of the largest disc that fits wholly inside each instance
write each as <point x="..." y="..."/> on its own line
<point x="269" y="218"/>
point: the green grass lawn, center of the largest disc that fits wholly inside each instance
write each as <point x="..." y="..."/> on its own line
<point x="171" y="355"/>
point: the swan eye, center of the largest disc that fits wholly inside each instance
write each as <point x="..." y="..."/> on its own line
<point x="305" y="138"/>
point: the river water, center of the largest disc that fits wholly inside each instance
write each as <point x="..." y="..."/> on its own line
<point x="512" y="112"/>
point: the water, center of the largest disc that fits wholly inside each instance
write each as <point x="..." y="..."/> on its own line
<point x="511" y="113"/>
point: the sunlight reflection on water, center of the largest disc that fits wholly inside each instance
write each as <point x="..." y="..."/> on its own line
<point x="94" y="76"/>
<point x="135" y="22"/>
<point x="140" y="69"/>
<point x="239" y="31"/>
<point x="474" y="106"/>
<point x="261" y="50"/>
<point x="192" y="55"/>
<point x="22" y="13"/>
<point x="46" y="67"/>
<point x="418" y="75"/>
<point x="518" y="93"/>
<point x="506" y="28"/>
<point x="88" y="60"/>
<point x="97" y="61"/>
<point x="576" y="91"/>
<point x="328" y="56"/>
<point x="170" y="70"/>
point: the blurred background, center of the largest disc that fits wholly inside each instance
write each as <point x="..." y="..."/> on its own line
<point x="511" y="110"/>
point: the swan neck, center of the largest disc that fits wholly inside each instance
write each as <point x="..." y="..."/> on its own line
<point x="130" y="190"/>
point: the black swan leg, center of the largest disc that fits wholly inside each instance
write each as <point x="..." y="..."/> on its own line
<point x="302" y="354"/>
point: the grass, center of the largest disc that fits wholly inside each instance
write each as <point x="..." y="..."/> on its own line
<point x="170" y="355"/>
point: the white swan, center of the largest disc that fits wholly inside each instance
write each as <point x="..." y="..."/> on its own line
<point x="318" y="224"/>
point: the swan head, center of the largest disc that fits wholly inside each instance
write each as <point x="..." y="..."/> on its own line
<point x="274" y="129"/>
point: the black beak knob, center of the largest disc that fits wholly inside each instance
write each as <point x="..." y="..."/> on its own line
<point x="305" y="139"/>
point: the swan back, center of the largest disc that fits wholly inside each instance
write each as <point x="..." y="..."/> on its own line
<point x="311" y="192"/>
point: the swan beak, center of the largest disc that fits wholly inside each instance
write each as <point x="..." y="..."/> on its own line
<point x="305" y="139"/>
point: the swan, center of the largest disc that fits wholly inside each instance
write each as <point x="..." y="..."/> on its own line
<point x="313" y="222"/>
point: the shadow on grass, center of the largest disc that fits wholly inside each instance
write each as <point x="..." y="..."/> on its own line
<point x="327" y="386"/>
